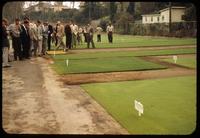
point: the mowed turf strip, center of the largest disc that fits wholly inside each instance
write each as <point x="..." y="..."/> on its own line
<point x="187" y="61"/>
<point x="112" y="64"/>
<point x="110" y="61"/>
<point x="137" y="41"/>
<point x="169" y="104"/>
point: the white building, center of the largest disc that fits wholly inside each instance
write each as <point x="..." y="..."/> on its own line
<point x="46" y="7"/>
<point x="163" y="16"/>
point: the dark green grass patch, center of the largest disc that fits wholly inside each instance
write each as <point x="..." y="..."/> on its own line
<point x="112" y="64"/>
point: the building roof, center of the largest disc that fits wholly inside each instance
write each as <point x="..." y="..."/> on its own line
<point x="158" y="12"/>
<point x="173" y="7"/>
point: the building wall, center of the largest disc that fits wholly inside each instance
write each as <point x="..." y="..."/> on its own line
<point x="177" y="15"/>
<point x="150" y="19"/>
<point x="164" y="16"/>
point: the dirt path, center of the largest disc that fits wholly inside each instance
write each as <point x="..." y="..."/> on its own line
<point x="172" y="70"/>
<point x="34" y="101"/>
<point x="124" y="49"/>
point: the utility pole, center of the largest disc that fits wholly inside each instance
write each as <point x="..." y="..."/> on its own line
<point x="89" y="10"/>
<point x="73" y="4"/>
<point x="170" y="17"/>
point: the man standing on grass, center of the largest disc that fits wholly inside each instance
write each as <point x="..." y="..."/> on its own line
<point x="89" y="35"/>
<point x="68" y="34"/>
<point x="74" y="29"/>
<point x="50" y="31"/>
<point x="110" y="30"/>
<point x="99" y="30"/>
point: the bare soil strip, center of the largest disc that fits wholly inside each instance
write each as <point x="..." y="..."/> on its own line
<point x="35" y="102"/>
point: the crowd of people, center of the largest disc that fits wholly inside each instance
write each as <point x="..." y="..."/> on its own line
<point x="32" y="39"/>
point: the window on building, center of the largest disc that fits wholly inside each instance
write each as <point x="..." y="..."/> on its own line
<point x="183" y="17"/>
<point x="158" y="19"/>
<point x="151" y="19"/>
<point x="163" y="18"/>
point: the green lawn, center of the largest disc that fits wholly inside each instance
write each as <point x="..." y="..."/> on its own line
<point x="169" y="104"/>
<point x="188" y="62"/>
<point x="138" y="41"/>
<point x="112" y="64"/>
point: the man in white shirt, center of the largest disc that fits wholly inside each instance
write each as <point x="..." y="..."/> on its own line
<point x="74" y="29"/>
<point x="99" y="30"/>
<point x="80" y="36"/>
<point x="110" y="30"/>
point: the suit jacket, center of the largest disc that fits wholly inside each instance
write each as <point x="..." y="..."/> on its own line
<point x="5" y="41"/>
<point x="25" y="36"/>
<point x="50" y="30"/>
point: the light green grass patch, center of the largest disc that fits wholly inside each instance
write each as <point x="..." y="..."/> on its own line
<point x="188" y="62"/>
<point x="138" y="41"/>
<point x="169" y="104"/>
<point x="125" y="53"/>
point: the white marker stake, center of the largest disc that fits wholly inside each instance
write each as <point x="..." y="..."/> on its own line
<point x="67" y="62"/>
<point x="139" y="108"/>
<point x="175" y="59"/>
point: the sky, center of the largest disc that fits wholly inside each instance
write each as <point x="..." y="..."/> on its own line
<point x="67" y="3"/>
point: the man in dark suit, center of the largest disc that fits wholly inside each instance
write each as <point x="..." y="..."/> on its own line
<point x="25" y="39"/>
<point x="68" y="34"/>
<point x="50" y="31"/>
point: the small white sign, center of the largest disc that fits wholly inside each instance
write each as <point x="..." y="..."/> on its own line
<point x="139" y="107"/>
<point x="67" y="62"/>
<point x="175" y="58"/>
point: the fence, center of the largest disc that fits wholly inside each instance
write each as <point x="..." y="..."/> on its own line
<point x="180" y="29"/>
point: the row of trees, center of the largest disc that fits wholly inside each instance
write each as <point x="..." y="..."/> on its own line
<point x="116" y="12"/>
